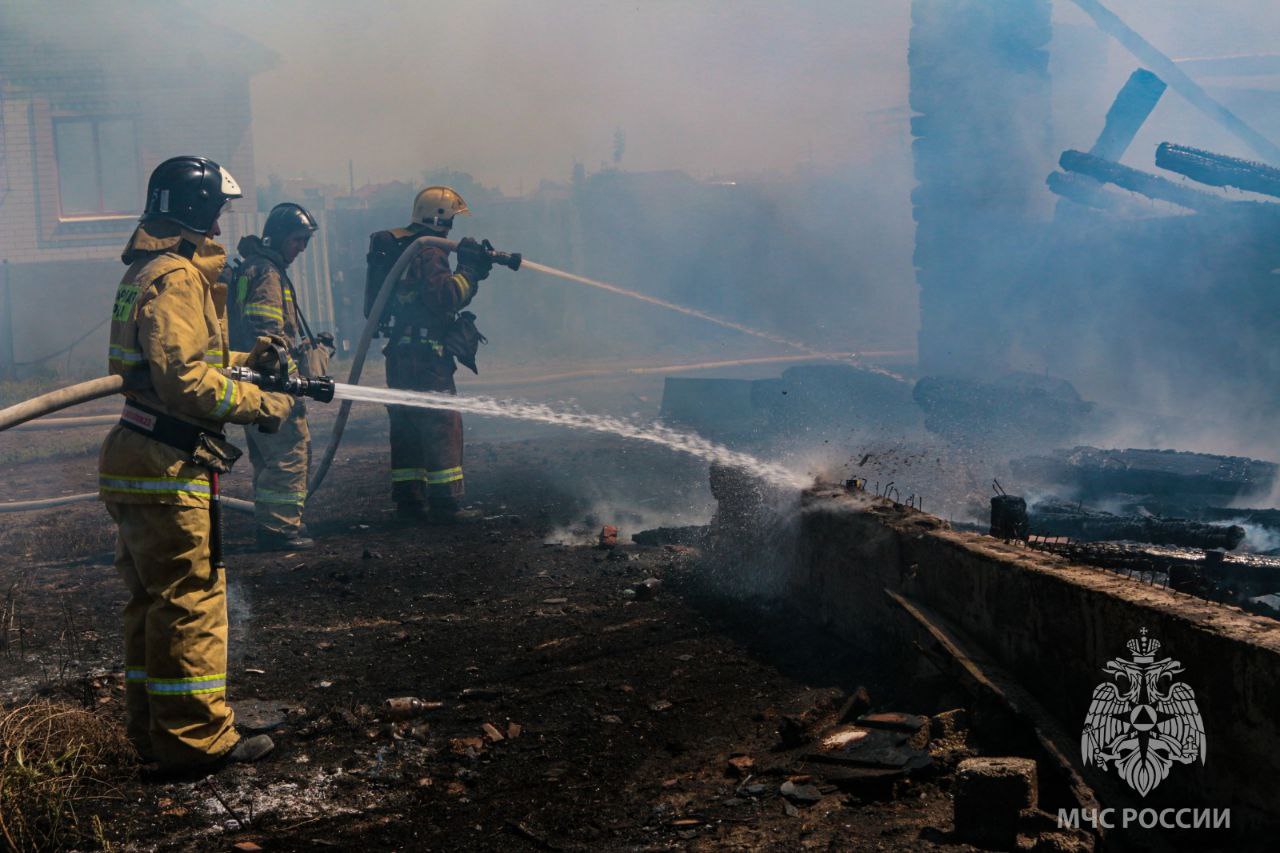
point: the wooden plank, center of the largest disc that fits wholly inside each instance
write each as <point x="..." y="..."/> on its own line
<point x="979" y="674"/>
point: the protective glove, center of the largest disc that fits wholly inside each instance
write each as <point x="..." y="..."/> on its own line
<point x="264" y="357"/>
<point x="326" y="340"/>
<point x="473" y="259"/>
<point x="274" y="409"/>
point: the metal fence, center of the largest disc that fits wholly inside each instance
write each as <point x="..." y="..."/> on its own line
<point x="309" y="272"/>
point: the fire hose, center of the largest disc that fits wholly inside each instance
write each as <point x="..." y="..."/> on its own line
<point x="320" y="389"/>
<point x="509" y="260"/>
<point x="63" y="398"/>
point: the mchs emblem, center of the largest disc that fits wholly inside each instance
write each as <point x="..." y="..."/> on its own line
<point x="1142" y="721"/>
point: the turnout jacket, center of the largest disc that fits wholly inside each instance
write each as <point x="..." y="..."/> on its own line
<point x="168" y="322"/>
<point x="429" y="295"/>
<point x="263" y="297"/>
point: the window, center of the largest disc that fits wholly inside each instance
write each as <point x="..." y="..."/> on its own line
<point x="97" y="166"/>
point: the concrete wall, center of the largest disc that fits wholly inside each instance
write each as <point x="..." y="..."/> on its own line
<point x="1053" y="626"/>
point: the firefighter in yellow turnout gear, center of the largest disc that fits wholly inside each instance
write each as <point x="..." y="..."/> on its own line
<point x="263" y="303"/>
<point x="428" y="331"/>
<point x="155" y="469"/>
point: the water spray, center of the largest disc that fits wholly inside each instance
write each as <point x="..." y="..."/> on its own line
<point x="670" y="306"/>
<point x="681" y="442"/>
<point x="325" y="389"/>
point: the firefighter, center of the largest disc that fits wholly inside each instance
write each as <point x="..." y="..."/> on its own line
<point x="428" y="332"/>
<point x="263" y="303"/>
<point x="158" y="467"/>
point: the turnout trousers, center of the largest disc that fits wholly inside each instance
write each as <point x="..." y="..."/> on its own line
<point x="280" y="464"/>
<point x="426" y="444"/>
<point x="175" y="634"/>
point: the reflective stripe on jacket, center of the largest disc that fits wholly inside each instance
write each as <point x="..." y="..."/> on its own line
<point x="429" y="295"/>
<point x="168" y="320"/>
<point x="263" y="300"/>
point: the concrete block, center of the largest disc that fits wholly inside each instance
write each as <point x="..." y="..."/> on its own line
<point x="990" y="795"/>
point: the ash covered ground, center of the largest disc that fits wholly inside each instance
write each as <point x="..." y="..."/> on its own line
<point x="576" y="714"/>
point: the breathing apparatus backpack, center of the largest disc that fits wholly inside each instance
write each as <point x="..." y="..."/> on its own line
<point x="238" y="334"/>
<point x="385" y="248"/>
<point x="312" y="352"/>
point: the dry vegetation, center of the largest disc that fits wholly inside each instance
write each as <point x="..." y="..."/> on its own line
<point x="55" y="761"/>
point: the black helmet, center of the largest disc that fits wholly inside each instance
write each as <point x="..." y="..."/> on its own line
<point x="284" y="221"/>
<point x="190" y="191"/>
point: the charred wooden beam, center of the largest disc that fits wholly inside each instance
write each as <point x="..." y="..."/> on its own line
<point x="1150" y="56"/>
<point x="1055" y="518"/>
<point x="1212" y="575"/>
<point x="1165" y="475"/>
<point x="1088" y="192"/>
<point x="993" y="688"/>
<point x="1129" y="111"/>
<point x="1143" y="183"/>
<point x="1219" y="170"/>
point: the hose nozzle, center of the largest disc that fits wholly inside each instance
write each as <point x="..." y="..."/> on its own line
<point x="319" y="388"/>
<point x="511" y="260"/>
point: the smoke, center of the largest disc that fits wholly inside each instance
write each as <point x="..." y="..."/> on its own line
<point x="515" y="93"/>
<point x="777" y="165"/>
<point x="239" y="623"/>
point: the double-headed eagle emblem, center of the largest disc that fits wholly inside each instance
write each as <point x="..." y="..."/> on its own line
<point x="1142" y="720"/>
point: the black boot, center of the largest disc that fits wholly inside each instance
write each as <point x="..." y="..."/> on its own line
<point x="448" y="511"/>
<point x="412" y="511"/>
<point x="284" y="540"/>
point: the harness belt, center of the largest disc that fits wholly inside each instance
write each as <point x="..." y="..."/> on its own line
<point x="206" y="448"/>
<point x="163" y="428"/>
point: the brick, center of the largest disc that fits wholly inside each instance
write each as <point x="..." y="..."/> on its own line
<point x="990" y="795"/>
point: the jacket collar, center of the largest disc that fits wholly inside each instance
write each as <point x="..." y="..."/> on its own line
<point x="158" y="237"/>
<point x="251" y="246"/>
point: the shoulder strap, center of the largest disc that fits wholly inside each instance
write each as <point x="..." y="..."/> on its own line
<point x="297" y="307"/>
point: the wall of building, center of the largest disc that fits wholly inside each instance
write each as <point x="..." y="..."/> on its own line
<point x="1053" y="626"/>
<point x="63" y="270"/>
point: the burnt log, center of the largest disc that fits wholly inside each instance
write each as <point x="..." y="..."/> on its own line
<point x="1219" y="170"/>
<point x="1221" y="577"/>
<point x="1087" y="192"/>
<point x="1170" y="73"/>
<point x="1055" y="518"/>
<point x="1091" y="473"/>
<point x="1152" y="186"/>
<point x="1130" y="110"/>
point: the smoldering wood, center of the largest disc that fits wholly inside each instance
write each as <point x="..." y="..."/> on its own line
<point x="1267" y="519"/>
<point x="1143" y="183"/>
<point x="1086" y="191"/>
<point x="1129" y="111"/>
<point x="1213" y="575"/>
<point x="1153" y="58"/>
<point x="1091" y="473"/>
<point x="1219" y="170"/>
<point x="1058" y="518"/>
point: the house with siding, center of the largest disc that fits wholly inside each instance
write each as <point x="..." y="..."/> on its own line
<point x="92" y="97"/>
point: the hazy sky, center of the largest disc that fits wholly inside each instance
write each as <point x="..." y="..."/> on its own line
<point x="514" y="91"/>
